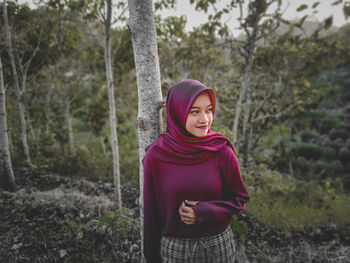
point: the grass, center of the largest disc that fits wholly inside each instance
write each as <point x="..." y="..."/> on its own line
<point x="281" y="202"/>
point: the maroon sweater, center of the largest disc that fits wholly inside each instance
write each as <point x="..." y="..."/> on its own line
<point x="216" y="183"/>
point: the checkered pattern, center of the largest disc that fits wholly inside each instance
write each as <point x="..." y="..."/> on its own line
<point x="218" y="248"/>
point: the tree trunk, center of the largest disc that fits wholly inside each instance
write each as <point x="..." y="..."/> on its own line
<point x="17" y="87"/>
<point x="7" y="178"/>
<point x="237" y="114"/>
<point x="47" y="109"/>
<point x="68" y="117"/>
<point x="144" y="40"/>
<point x="112" y="109"/>
<point x="247" y="97"/>
<point x="246" y="123"/>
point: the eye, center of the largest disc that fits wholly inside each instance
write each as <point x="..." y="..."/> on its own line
<point x="210" y="110"/>
<point x="194" y="112"/>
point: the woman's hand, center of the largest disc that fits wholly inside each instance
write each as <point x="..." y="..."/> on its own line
<point x="186" y="212"/>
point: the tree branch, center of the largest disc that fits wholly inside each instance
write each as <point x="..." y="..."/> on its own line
<point x="267" y="98"/>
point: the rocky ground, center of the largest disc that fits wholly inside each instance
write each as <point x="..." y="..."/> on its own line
<point x="51" y="218"/>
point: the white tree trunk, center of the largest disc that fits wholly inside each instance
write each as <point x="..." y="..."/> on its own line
<point x="144" y="40"/>
<point x="7" y="177"/>
<point x="68" y="117"/>
<point x="112" y="109"/>
<point x="237" y="114"/>
<point x="47" y="109"/>
<point x="17" y="87"/>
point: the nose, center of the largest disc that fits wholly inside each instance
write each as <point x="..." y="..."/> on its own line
<point x="203" y="118"/>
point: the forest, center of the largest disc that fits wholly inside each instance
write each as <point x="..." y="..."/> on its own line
<point x="80" y="100"/>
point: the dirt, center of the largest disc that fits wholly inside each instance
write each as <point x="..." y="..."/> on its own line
<point x="52" y="218"/>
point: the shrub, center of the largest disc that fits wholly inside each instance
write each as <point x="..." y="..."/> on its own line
<point x="322" y="122"/>
<point x="321" y="167"/>
<point x="308" y="150"/>
<point x="307" y="136"/>
<point x="347" y="144"/>
<point x="119" y="221"/>
<point x="344" y="154"/>
<point x="239" y="227"/>
<point x="281" y="202"/>
<point x="338" y="133"/>
<point x="336" y="166"/>
<point x="301" y="164"/>
<point x="329" y="153"/>
<point x="337" y="144"/>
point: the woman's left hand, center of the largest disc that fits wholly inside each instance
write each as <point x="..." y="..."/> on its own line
<point x="186" y="212"/>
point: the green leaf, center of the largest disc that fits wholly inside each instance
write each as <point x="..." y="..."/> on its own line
<point x="315" y="4"/>
<point x="346" y="10"/>
<point x="328" y="22"/>
<point x="337" y="2"/>
<point x="302" y="7"/>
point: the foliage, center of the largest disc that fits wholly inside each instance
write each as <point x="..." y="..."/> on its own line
<point x="279" y="201"/>
<point x="239" y="228"/>
<point x="119" y="221"/>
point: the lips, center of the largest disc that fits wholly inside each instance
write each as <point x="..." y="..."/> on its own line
<point x="203" y="127"/>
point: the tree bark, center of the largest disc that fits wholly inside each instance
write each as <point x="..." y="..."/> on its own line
<point x="112" y="109"/>
<point x="237" y="114"/>
<point x="17" y="87"/>
<point x="144" y="40"/>
<point x="7" y="178"/>
<point x="246" y="117"/>
<point x="68" y="117"/>
<point x="47" y="108"/>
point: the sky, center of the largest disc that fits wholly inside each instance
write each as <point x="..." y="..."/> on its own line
<point x="195" y="18"/>
<point x="324" y="10"/>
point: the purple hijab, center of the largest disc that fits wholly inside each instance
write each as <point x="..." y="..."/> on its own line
<point x="177" y="145"/>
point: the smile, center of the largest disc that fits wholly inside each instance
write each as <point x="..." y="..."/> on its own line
<point x="202" y="127"/>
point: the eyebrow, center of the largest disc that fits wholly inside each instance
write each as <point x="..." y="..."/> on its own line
<point x="196" y="107"/>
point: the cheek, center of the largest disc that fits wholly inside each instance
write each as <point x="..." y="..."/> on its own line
<point x="211" y="118"/>
<point x="189" y="122"/>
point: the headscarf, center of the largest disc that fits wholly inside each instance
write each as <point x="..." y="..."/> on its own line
<point x="177" y="145"/>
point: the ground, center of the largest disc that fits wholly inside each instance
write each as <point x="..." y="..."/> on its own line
<point x="52" y="218"/>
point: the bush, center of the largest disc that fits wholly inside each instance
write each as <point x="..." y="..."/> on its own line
<point x="321" y="167"/>
<point x="120" y="221"/>
<point x="347" y="144"/>
<point x="281" y="202"/>
<point x="338" y="133"/>
<point x="84" y="162"/>
<point x="239" y="227"/>
<point x="344" y="154"/>
<point x="322" y="122"/>
<point x="308" y="150"/>
<point x="301" y="164"/>
<point x="308" y="136"/>
<point x="337" y="166"/>
<point x="329" y="153"/>
<point x="337" y="144"/>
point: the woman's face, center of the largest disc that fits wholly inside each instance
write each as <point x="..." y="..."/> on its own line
<point x="200" y="116"/>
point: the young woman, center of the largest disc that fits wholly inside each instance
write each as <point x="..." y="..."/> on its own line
<point x="192" y="183"/>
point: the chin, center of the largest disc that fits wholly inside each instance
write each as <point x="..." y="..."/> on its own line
<point x="201" y="134"/>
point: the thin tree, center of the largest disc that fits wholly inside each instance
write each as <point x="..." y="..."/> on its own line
<point x="144" y="40"/>
<point x="107" y="21"/>
<point x="19" y="92"/>
<point x="8" y="178"/>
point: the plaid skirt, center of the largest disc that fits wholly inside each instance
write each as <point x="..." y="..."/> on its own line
<point x="218" y="248"/>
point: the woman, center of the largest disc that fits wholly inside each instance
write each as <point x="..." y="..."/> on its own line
<point x="192" y="183"/>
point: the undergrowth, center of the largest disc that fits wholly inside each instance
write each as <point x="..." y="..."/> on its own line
<point x="288" y="204"/>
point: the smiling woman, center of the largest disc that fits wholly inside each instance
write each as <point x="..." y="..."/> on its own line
<point x="200" y="116"/>
<point x="192" y="183"/>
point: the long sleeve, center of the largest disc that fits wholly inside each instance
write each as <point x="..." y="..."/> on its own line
<point x="233" y="197"/>
<point x="151" y="216"/>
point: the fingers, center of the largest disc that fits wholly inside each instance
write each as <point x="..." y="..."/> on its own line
<point x="187" y="214"/>
<point x="192" y="203"/>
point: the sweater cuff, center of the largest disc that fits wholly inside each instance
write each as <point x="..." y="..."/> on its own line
<point x="201" y="212"/>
